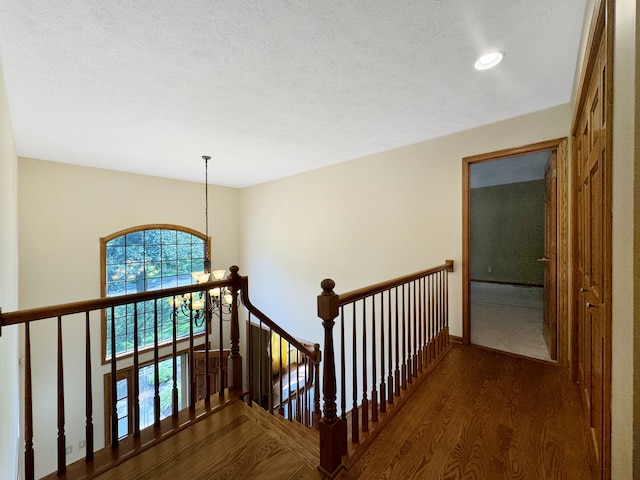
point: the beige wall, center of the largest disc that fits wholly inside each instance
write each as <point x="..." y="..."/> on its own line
<point x="64" y="211"/>
<point x="9" y="383"/>
<point x="369" y="219"/>
<point x="623" y="313"/>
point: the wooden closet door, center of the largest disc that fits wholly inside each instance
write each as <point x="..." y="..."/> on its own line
<point x="591" y="326"/>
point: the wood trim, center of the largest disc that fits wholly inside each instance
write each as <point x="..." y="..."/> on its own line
<point x="516" y="151"/>
<point x="466" y="249"/>
<point x="562" y="252"/>
<point x="560" y="147"/>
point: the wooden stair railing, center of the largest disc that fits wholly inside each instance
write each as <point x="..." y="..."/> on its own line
<point x="397" y="330"/>
<point x="283" y="377"/>
<point x="75" y="314"/>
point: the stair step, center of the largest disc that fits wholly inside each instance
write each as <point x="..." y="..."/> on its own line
<point x="304" y="442"/>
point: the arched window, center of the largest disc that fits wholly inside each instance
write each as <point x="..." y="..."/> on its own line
<point x="148" y="257"/>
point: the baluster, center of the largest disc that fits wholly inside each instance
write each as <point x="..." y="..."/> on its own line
<point x="221" y="369"/>
<point x="365" y="400"/>
<point x="309" y="388"/>
<point x="409" y="336"/>
<point x="174" y="391"/>
<point x="62" y="447"/>
<point x="192" y="363"/>
<point x="415" y="329"/>
<point x="333" y="434"/>
<point x="156" y="368"/>
<point x="425" y="322"/>
<point x="270" y="372"/>
<point x="374" y="371"/>
<point x="431" y="320"/>
<point x="88" y="392"/>
<point x="446" y="299"/>
<point x="28" y="406"/>
<point x="114" y="393"/>
<point x="420" y="325"/>
<point x="289" y="399"/>
<point x="317" y="413"/>
<point x="250" y="359"/>
<point x="383" y="386"/>
<point x="390" y="349"/>
<point x="404" y="341"/>
<point x="281" y="398"/>
<point x="207" y="360"/>
<point x="397" y="392"/>
<point x="440" y="318"/>
<point x="355" y="426"/>
<point x="136" y="374"/>
<point x="343" y="379"/>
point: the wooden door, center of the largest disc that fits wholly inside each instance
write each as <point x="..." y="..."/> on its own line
<point x="550" y="312"/>
<point x="592" y="332"/>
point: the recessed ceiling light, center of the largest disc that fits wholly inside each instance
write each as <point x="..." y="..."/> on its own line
<point x="489" y="60"/>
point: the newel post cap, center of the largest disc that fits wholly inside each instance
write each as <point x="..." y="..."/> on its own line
<point x="328" y="300"/>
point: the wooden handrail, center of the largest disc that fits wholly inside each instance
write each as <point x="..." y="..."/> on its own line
<point x="64" y="309"/>
<point x="364" y="292"/>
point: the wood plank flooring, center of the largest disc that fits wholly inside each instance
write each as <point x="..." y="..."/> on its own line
<point x="483" y="414"/>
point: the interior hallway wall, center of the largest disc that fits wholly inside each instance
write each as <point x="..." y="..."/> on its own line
<point x="369" y="219"/>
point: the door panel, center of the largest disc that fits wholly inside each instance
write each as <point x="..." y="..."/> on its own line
<point x="591" y="330"/>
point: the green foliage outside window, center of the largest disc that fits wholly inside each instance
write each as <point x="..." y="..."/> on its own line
<point x="144" y="260"/>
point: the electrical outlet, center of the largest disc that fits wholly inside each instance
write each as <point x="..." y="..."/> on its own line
<point x="69" y="450"/>
<point x="82" y="444"/>
<point x="490" y="269"/>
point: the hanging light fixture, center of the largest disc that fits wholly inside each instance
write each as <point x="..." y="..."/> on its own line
<point x="221" y="298"/>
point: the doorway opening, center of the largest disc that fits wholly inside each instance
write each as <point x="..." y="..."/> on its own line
<point x="514" y="263"/>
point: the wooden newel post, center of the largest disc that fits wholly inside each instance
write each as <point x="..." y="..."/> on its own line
<point x="235" y="359"/>
<point x="333" y="430"/>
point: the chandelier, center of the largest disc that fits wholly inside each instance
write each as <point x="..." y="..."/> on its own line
<point x="219" y="300"/>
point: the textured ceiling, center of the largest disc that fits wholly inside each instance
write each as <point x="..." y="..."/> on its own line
<point x="272" y="88"/>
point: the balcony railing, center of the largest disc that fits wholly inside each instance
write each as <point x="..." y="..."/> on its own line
<point x="395" y="331"/>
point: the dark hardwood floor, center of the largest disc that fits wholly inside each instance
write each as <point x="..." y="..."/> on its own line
<point x="483" y="414"/>
<point x="480" y="415"/>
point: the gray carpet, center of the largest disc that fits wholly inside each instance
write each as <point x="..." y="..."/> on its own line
<point x="508" y="318"/>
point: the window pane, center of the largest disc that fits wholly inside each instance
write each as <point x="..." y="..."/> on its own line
<point x="152" y="237"/>
<point x="121" y="390"/>
<point x="135" y="238"/>
<point x="169" y="252"/>
<point x="169" y="237"/>
<point x="115" y="255"/>
<point x="184" y="238"/>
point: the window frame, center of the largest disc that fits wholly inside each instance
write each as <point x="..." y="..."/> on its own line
<point x="127" y="373"/>
<point x="106" y="356"/>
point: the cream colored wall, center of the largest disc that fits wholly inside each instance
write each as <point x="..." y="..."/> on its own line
<point x="369" y="219"/>
<point x="64" y="210"/>
<point x="623" y="313"/>
<point x="9" y="380"/>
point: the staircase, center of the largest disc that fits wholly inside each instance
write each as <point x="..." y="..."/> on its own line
<point x="239" y="441"/>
